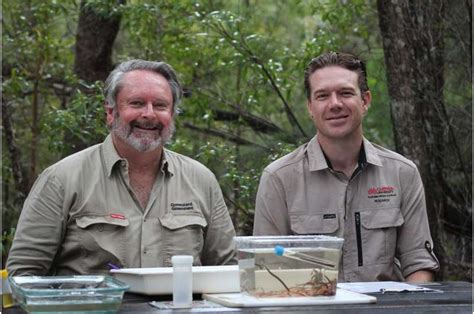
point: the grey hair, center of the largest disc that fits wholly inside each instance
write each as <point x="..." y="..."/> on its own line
<point x="113" y="83"/>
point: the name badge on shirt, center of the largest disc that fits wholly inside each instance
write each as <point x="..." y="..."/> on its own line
<point x="182" y="206"/>
<point x="329" y="216"/>
<point x="381" y="194"/>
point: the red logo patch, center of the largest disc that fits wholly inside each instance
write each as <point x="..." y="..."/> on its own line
<point x="117" y="216"/>
<point x="380" y="190"/>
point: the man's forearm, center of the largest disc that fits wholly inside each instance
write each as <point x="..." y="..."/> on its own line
<point x="420" y="276"/>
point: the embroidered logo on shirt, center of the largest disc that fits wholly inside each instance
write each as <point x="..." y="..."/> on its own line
<point x="329" y="216"/>
<point x="381" y="193"/>
<point x="182" y="206"/>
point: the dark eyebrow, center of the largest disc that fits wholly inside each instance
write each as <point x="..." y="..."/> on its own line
<point x="348" y="88"/>
<point x="319" y="91"/>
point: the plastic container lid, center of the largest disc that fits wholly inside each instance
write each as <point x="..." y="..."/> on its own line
<point x="182" y="260"/>
<point x="313" y="241"/>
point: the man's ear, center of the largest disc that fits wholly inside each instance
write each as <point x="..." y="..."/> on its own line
<point x="109" y="112"/>
<point x="367" y="99"/>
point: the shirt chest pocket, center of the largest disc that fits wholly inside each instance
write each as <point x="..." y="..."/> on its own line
<point x="183" y="234"/>
<point x="378" y="235"/>
<point x="327" y="224"/>
<point x="101" y="239"/>
<point x="101" y="222"/>
<point x="101" y="229"/>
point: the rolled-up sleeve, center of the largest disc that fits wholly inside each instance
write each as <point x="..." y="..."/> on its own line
<point x="39" y="230"/>
<point x="414" y="245"/>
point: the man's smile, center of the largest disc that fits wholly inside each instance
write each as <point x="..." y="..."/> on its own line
<point x="337" y="118"/>
<point x="148" y="126"/>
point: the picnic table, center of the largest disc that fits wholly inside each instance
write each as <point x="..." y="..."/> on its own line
<point x="454" y="297"/>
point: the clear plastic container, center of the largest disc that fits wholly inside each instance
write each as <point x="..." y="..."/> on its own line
<point x="288" y="266"/>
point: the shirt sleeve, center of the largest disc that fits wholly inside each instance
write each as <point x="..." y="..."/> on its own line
<point x="271" y="211"/>
<point x="219" y="247"/>
<point x="39" y="229"/>
<point x="414" y="245"/>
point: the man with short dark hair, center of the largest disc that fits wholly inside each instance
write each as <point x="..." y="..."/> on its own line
<point x="342" y="185"/>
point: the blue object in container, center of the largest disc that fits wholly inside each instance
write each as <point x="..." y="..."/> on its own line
<point x="281" y="251"/>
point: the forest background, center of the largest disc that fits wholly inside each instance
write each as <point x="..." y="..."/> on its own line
<point x="241" y="63"/>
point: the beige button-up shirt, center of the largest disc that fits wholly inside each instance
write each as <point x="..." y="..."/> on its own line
<point x="380" y="211"/>
<point x="81" y="214"/>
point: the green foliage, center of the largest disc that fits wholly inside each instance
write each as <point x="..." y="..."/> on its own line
<point x="241" y="63"/>
<point x="377" y="125"/>
<point x="234" y="171"/>
<point x="82" y="119"/>
<point x="36" y="70"/>
<point x="7" y="239"/>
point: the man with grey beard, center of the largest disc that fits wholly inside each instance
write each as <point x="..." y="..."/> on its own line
<point x="127" y="202"/>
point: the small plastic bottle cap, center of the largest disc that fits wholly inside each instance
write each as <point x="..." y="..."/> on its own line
<point x="279" y="250"/>
<point x="182" y="260"/>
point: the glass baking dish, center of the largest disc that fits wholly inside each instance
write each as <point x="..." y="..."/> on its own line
<point x="71" y="294"/>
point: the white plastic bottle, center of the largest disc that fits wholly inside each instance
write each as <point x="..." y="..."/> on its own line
<point x="182" y="281"/>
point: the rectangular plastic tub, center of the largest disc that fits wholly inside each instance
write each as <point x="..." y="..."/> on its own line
<point x="159" y="280"/>
<point x="72" y="294"/>
<point x="288" y="266"/>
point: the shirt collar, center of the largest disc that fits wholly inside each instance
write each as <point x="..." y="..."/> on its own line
<point x="371" y="154"/>
<point x="318" y="161"/>
<point x="166" y="166"/>
<point x="361" y="159"/>
<point x="111" y="158"/>
<point x="316" y="158"/>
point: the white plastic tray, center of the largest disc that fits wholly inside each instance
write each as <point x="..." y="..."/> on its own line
<point x="159" y="280"/>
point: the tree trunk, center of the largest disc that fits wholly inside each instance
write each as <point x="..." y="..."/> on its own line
<point x="20" y="184"/>
<point x="413" y="46"/>
<point x="96" y="33"/>
<point x="95" y="38"/>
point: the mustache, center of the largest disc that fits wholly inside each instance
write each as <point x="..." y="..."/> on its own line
<point x="147" y="125"/>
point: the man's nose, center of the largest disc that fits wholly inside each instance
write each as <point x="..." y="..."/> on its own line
<point x="334" y="100"/>
<point x="148" y="109"/>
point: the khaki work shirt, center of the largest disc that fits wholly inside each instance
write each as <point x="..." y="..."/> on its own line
<point x="380" y="211"/>
<point x="81" y="214"/>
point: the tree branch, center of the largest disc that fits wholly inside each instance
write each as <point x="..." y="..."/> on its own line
<point x="245" y="49"/>
<point x="222" y="134"/>
<point x="257" y="124"/>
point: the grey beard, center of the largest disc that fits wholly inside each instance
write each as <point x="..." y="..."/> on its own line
<point x="141" y="144"/>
